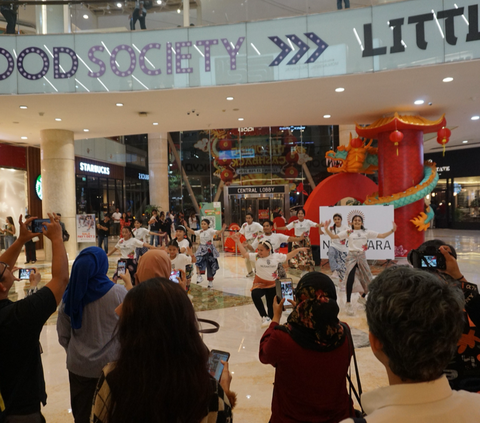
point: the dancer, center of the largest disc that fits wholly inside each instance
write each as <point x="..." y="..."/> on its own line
<point x="266" y="264"/>
<point x="250" y="230"/>
<point x="302" y="226"/>
<point x="337" y="252"/>
<point x="142" y="235"/>
<point x="358" y="238"/>
<point x="206" y="253"/>
<point x="184" y="245"/>
<point x="276" y="240"/>
<point x="181" y="261"/>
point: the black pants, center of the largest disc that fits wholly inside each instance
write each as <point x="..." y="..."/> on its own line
<point x="103" y="239"/>
<point x="269" y="294"/>
<point x="30" y="252"/>
<point x="82" y="390"/>
<point x="26" y="418"/>
<point x="350" y="281"/>
<point x="136" y="16"/>
<point x="11" y="18"/>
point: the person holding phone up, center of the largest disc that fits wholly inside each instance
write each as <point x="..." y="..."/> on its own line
<point x="311" y="354"/>
<point x="266" y="265"/>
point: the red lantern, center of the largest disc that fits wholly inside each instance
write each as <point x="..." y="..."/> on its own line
<point x="443" y="137"/>
<point x="291" y="157"/>
<point x="396" y="137"/>
<point x="291" y="172"/>
<point x="224" y="145"/>
<point x="356" y="143"/>
<point x="224" y="162"/>
<point x="226" y="176"/>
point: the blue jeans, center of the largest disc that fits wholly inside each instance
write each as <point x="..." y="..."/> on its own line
<point x="103" y="239"/>
<point x="154" y="238"/>
<point x="339" y="4"/>
<point x="9" y="240"/>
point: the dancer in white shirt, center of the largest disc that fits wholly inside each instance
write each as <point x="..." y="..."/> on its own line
<point x="337" y="252"/>
<point x="250" y="230"/>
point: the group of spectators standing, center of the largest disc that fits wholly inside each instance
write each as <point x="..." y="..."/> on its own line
<point x="136" y="354"/>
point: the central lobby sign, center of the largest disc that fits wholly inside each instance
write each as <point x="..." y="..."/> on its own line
<point x="362" y="40"/>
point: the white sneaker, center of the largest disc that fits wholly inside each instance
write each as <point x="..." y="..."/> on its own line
<point x="210" y="284"/>
<point x="335" y="274"/>
<point x="266" y="321"/>
<point x="342" y="287"/>
<point x="250" y="275"/>
<point x="362" y="300"/>
<point x="199" y="279"/>
<point x="349" y="309"/>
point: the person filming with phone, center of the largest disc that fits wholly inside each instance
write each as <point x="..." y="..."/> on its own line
<point x="22" y="384"/>
<point x="311" y="354"/>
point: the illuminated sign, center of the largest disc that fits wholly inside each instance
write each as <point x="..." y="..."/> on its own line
<point x="38" y="187"/>
<point x="143" y="176"/>
<point x="87" y="167"/>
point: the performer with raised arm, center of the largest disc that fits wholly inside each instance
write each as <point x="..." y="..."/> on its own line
<point x="250" y="230"/>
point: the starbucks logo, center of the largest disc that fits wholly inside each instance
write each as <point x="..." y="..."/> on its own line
<point x="38" y="187"/>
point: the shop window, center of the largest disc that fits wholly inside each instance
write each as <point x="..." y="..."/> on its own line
<point x="466" y="194"/>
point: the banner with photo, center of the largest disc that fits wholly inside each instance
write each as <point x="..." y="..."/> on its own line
<point x="85" y="227"/>
<point x="375" y="218"/>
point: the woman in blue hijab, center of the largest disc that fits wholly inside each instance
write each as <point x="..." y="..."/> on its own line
<point x="86" y="323"/>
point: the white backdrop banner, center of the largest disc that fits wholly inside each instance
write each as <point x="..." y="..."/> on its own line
<point x="376" y="218"/>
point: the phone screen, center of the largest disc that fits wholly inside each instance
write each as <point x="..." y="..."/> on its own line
<point x="37" y="225"/>
<point x="175" y="276"/>
<point x="287" y="290"/>
<point x="24" y="274"/>
<point x="429" y="261"/>
<point x="214" y="365"/>
<point x="121" y="267"/>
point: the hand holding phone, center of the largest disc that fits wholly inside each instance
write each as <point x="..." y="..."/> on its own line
<point x="24" y="274"/>
<point x="175" y="276"/>
<point x="215" y="365"/>
<point x="284" y="289"/>
<point x="121" y="267"/>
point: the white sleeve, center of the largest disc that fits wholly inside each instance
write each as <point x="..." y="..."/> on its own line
<point x="290" y="225"/>
<point x="197" y="233"/>
<point x="342" y="235"/>
<point x="254" y="244"/>
<point x="242" y="229"/>
<point x="283" y="238"/>
<point x="311" y="224"/>
<point x="282" y="258"/>
<point x="137" y="243"/>
<point x="252" y="256"/>
<point x="372" y="234"/>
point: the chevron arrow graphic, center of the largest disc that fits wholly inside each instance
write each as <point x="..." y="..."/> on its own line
<point x="322" y="46"/>
<point x="285" y="50"/>
<point x="303" y="48"/>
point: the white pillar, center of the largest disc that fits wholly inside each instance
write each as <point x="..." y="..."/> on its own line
<point x="158" y="170"/>
<point x="186" y="12"/>
<point x="58" y="183"/>
<point x="53" y="19"/>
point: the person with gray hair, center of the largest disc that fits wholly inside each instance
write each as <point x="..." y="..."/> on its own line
<point x="415" y="322"/>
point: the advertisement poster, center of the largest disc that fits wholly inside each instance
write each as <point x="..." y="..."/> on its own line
<point x="85" y="228"/>
<point x="212" y="212"/>
<point x="375" y="218"/>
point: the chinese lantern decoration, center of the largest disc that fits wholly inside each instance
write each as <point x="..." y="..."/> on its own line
<point x="224" y="162"/>
<point x="291" y="157"/>
<point x="226" y="176"/>
<point x="396" y="137"/>
<point x="224" y="145"/>
<point x="291" y="172"/>
<point x="356" y="143"/>
<point x="443" y="136"/>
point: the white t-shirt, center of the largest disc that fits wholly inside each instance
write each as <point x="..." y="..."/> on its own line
<point x="275" y="239"/>
<point x="193" y="223"/>
<point x="357" y="239"/>
<point x="141" y="234"/>
<point x="251" y="231"/>
<point x="206" y="236"/>
<point x="301" y="228"/>
<point x="183" y="244"/>
<point x="116" y="217"/>
<point x="339" y="244"/>
<point x="266" y="268"/>
<point x="127" y="248"/>
<point x="179" y="262"/>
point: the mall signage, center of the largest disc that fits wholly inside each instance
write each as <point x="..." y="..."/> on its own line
<point x="239" y="190"/>
<point x="143" y="176"/>
<point x="92" y="168"/>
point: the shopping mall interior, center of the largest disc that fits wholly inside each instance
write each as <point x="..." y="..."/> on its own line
<point x="215" y="98"/>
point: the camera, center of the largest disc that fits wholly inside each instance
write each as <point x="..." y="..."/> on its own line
<point x="427" y="257"/>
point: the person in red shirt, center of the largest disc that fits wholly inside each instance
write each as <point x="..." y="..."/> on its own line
<point x="311" y="354"/>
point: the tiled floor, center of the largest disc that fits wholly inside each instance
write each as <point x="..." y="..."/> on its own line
<point x="229" y="304"/>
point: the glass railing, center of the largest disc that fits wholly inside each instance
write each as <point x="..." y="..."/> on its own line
<point x="117" y="16"/>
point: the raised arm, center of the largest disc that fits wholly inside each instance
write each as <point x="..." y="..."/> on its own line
<point x="294" y="252"/>
<point x="296" y="238"/>
<point x="243" y="252"/>
<point x="224" y="226"/>
<point x="190" y="230"/>
<point x="190" y="253"/>
<point x="328" y="231"/>
<point x="390" y="232"/>
<point x="111" y="252"/>
<point x="279" y="228"/>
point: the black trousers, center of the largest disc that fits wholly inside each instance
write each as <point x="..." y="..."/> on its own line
<point x="136" y="16"/>
<point x="269" y="294"/>
<point x="11" y="18"/>
<point x="82" y="390"/>
<point x="30" y="252"/>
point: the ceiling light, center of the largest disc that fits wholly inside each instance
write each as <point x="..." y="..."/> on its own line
<point x="475" y="117"/>
<point x="159" y="1"/>
<point x="119" y="5"/>
<point x="327" y="116"/>
<point x="23" y="107"/>
<point x="465" y="141"/>
<point x="448" y="79"/>
<point x="178" y="11"/>
<point x="86" y="130"/>
<point x="155" y="123"/>
<point x="418" y="102"/>
<point x="119" y="104"/>
<point x="229" y="98"/>
<point x="85" y="16"/>
<point x="339" y="90"/>
<point x="240" y="119"/>
<point x="58" y="119"/>
<point x="24" y="138"/>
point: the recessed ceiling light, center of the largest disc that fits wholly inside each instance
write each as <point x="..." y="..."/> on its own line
<point x="339" y="90"/>
<point x="24" y="138"/>
<point x="58" y="119"/>
<point x="179" y="11"/>
<point x="465" y="141"/>
<point x="155" y="123"/>
<point x="159" y="1"/>
<point x="448" y="79"/>
<point x="23" y="107"/>
<point x="229" y="98"/>
<point x="475" y="117"/>
<point x="418" y="102"/>
<point x="119" y="5"/>
<point x="327" y="116"/>
<point x="86" y="130"/>
<point x="240" y="119"/>
<point x="119" y="104"/>
<point x="85" y="16"/>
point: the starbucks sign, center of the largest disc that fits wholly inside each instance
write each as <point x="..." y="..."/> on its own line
<point x="38" y="187"/>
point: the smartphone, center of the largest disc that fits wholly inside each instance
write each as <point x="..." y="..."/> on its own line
<point x="121" y="267"/>
<point x="24" y="274"/>
<point x="175" y="276"/>
<point x="214" y="365"/>
<point x="38" y="224"/>
<point x="429" y="262"/>
<point x="284" y="288"/>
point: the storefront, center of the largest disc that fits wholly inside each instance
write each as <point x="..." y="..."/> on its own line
<point x="99" y="187"/>
<point x="136" y="191"/>
<point x="456" y="199"/>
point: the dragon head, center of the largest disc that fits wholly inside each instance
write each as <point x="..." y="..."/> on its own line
<point x="336" y="158"/>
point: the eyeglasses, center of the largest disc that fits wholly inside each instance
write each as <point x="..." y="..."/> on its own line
<point x="5" y="265"/>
